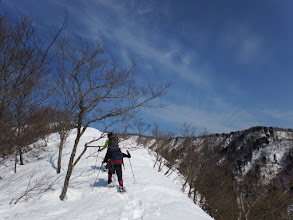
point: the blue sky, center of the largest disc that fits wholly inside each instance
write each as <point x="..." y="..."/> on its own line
<point x="230" y="62"/>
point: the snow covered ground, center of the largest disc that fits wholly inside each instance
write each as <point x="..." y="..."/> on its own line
<point x="151" y="195"/>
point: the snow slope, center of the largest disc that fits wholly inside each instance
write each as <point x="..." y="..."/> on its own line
<point x="151" y="196"/>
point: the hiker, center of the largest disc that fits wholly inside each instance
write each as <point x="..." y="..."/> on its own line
<point x="114" y="157"/>
<point x="113" y="140"/>
<point x="107" y="141"/>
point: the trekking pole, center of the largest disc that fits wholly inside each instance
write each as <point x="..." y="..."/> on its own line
<point x="95" y="169"/>
<point x="96" y="161"/>
<point x="131" y="167"/>
<point x="97" y="176"/>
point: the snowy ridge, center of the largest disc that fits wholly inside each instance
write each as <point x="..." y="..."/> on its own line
<point x="152" y="196"/>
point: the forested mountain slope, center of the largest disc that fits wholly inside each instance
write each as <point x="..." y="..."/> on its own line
<point x="244" y="174"/>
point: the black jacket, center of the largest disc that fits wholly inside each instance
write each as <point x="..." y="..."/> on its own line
<point x="109" y="155"/>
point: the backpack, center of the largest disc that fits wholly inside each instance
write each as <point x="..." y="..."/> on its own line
<point x="117" y="157"/>
<point x="113" y="141"/>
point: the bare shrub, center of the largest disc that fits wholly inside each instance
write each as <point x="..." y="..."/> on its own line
<point x="37" y="184"/>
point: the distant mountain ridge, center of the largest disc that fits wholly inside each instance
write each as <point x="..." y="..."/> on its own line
<point x="267" y="151"/>
<point x="256" y="165"/>
<point x="241" y="147"/>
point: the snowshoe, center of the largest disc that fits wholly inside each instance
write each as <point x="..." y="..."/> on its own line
<point x="121" y="189"/>
<point x="111" y="185"/>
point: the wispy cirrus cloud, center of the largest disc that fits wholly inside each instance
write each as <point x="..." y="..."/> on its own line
<point x="224" y="118"/>
<point x="203" y="55"/>
<point x="127" y="30"/>
<point x="241" y="41"/>
<point x="281" y="115"/>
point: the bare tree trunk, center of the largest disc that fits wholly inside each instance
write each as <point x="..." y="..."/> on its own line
<point x="15" y="163"/>
<point x="194" y="195"/>
<point x="168" y="170"/>
<point x="70" y="166"/>
<point x="21" y="157"/>
<point x="157" y="159"/>
<point x="62" y="141"/>
<point x="160" y="165"/>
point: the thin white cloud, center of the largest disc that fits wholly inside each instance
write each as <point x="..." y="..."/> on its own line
<point x="242" y="42"/>
<point x="126" y="27"/>
<point x="176" y="60"/>
<point x="281" y="115"/>
<point x="215" y="122"/>
<point x="144" y="11"/>
<point x="131" y="36"/>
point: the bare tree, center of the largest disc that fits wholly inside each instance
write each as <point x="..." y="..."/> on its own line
<point x="189" y="164"/>
<point x="161" y="146"/>
<point x="24" y="81"/>
<point x="101" y="91"/>
<point x="23" y="108"/>
<point x="63" y="126"/>
<point x="140" y="127"/>
<point x="156" y="133"/>
<point x="188" y="130"/>
<point x="124" y="131"/>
